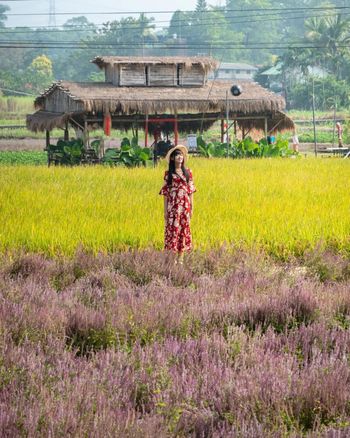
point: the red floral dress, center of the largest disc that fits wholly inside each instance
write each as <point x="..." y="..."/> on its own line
<point x="177" y="227"/>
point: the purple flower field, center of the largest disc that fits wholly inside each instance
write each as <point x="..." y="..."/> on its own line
<point x="230" y="344"/>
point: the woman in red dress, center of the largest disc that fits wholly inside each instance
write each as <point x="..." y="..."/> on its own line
<point x="178" y="192"/>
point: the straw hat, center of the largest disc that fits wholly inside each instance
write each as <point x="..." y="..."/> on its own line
<point x="181" y="148"/>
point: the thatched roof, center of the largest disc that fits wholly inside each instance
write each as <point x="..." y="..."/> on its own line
<point x="206" y="63"/>
<point x="103" y="97"/>
<point x="71" y="100"/>
<point x="45" y="120"/>
<point x="277" y="122"/>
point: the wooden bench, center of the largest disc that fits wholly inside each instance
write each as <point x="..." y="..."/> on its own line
<point x="336" y="151"/>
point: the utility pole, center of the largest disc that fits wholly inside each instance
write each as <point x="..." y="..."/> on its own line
<point x="313" y="115"/>
<point x="227" y="138"/>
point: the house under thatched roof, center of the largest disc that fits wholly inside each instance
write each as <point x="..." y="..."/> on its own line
<point x="145" y="92"/>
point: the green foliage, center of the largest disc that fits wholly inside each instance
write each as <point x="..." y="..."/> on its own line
<point x="130" y="154"/>
<point x="39" y="73"/>
<point x="128" y="31"/>
<point x="245" y="148"/>
<point x="327" y="91"/>
<point x="31" y="158"/>
<point x="96" y="146"/>
<point x="92" y="339"/>
<point x="206" y="149"/>
<point x="34" y="78"/>
<point x="67" y="152"/>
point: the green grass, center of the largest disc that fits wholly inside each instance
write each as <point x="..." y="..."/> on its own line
<point x="321" y="137"/>
<point x="31" y="158"/>
<point x="283" y="206"/>
<point x="307" y="115"/>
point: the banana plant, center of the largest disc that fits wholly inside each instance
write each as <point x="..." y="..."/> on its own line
<point x="205" y="149"/>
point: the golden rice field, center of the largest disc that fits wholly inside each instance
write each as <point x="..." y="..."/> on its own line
<point x="281" y="205"/>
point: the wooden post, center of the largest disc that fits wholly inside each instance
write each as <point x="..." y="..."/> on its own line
<point x="222" y="130"/>
<point x="85" y="136"/>
<point x="235" y="128"/>
<point x="48" y="148"/>
<point x="334" y="115"/>
<point x="265" y="128"/>
<point x="146" y="131"/>
<point x="176" y="131"/>
<point x="66" y="132"/>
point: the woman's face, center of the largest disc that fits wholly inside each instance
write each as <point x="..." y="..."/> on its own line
<point x="178" y="158"/>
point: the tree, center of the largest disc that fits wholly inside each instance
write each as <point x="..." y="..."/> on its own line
<point x="326" y="45"/>
<point x="179" y="24"/>
<point x="3" y="17"/>
<point x="326" y="90"/>
<point x="39" y="74"/>
<point x="332" y="36"/>
<point x="249" y="18"/>
<point x="79" y="23"/>
<point x="201" y="6"/>
<point x="128" y="32"/>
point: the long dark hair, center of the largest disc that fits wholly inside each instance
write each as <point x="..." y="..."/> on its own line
<point x="171" y="168"/>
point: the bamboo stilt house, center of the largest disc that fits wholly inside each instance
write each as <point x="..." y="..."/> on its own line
<point x="149" y="92"/>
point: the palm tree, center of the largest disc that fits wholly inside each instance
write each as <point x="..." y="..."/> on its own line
<point x="146" y="28"/>
<point x="331" y="37"/>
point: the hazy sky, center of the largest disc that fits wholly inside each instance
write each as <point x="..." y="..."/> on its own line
<point x="83" y="7"/>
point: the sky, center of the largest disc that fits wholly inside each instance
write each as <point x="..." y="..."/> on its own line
<point x="83" y="7"/>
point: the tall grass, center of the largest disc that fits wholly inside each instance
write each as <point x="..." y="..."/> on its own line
<point x="282" y="206"/>
<point x="16" y="107"/>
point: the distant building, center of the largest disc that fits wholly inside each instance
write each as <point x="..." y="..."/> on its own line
<point x="275" y="78"/>
<point x="229" y="71"/>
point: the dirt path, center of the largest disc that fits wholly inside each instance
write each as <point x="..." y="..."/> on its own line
<point x="22" y="144"/>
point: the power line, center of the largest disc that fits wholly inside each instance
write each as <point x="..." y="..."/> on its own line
<point x="210" y="46"/>
<point x="323" y="8"/>
<point x="135" y="26"/>
<point x="292" y="44"/>
<point x="17" y="92"/>
<point x="181" y="21"/>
